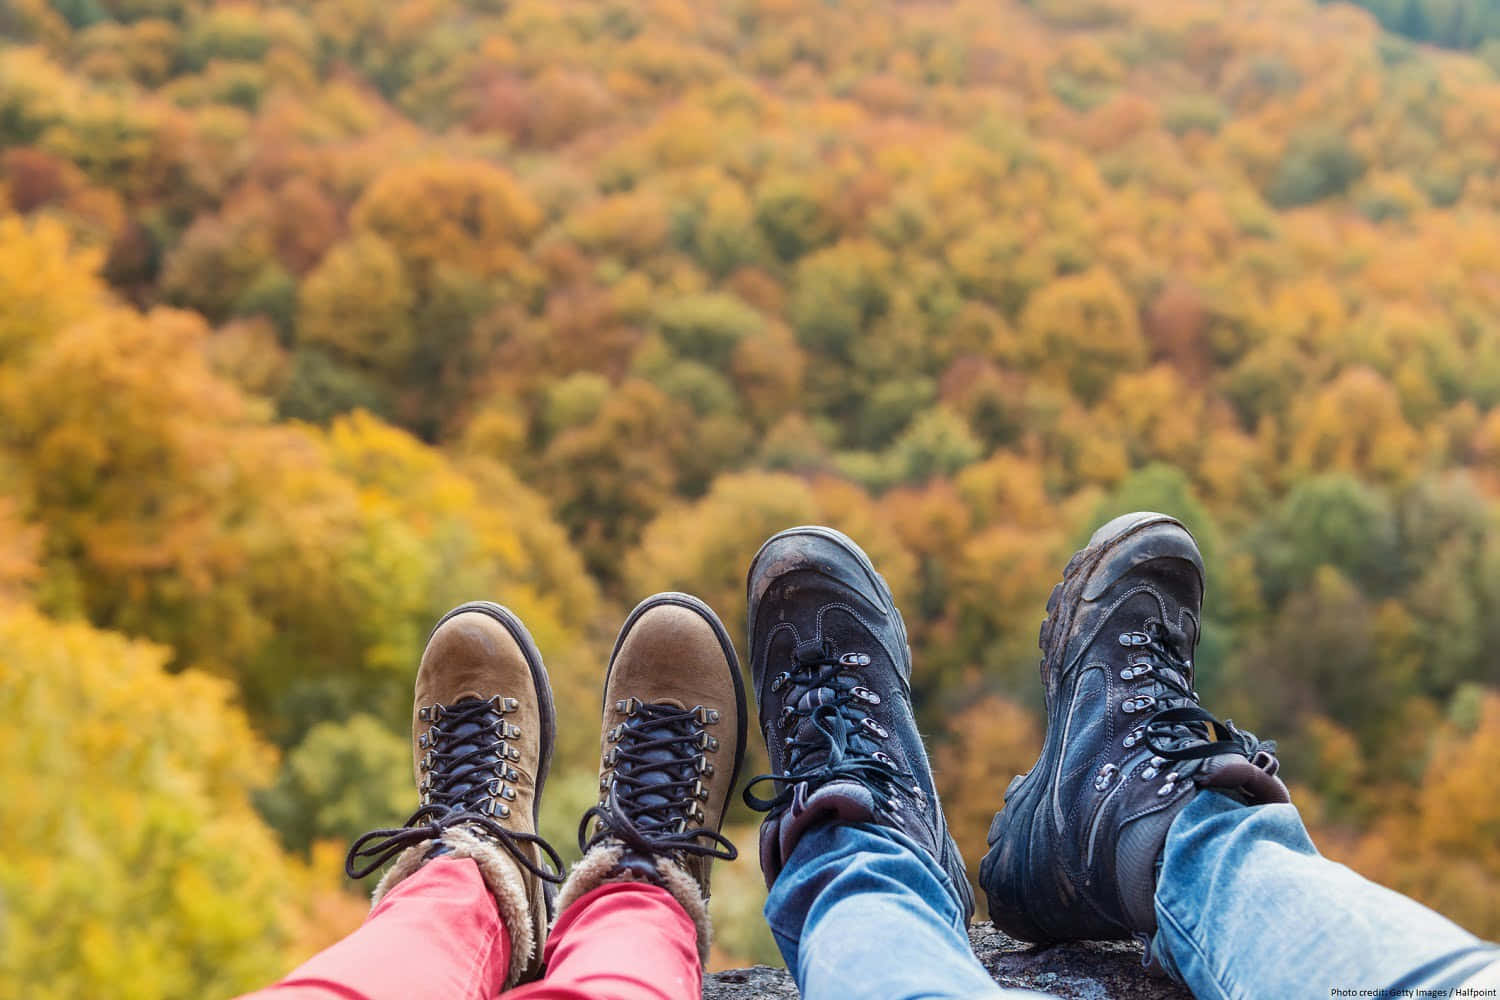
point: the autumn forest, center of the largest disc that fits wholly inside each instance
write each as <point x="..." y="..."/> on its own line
<point x="317" y="319"/>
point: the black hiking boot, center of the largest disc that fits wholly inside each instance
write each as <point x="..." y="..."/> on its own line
<point x="832" y="673"/>
<point x="1074" y="853"/>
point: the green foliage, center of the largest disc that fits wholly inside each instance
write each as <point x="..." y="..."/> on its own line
<point x="708" y="327"/>
<point x="1330" y="521"/>
<point x="320" y="388"/>
<point x="1317" y="165"/>
<point x="341" y="779"/>
<point x="1459" y="24"/>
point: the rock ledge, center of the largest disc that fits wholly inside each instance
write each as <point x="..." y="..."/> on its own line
<point x="1105" y="970"/>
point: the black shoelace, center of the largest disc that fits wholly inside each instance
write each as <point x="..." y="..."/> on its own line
<point x="651" y="803"/>
<point x="841" y="742"/>
<point x="468" y="767"/>
<point x="1181" y="729"/>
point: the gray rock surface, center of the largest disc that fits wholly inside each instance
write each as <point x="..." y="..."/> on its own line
<point x="1106" y="970"/>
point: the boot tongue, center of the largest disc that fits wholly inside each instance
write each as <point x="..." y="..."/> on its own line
<point x="813" y="743"/>
<point x="465" y="738"/>
<point x="815" y="697"/>
<point x="660" y="765"/>
<point x="810" y="651"/>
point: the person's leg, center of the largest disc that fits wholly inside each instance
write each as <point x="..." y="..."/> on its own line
<point x="634" y="919"/>
<point x="1247" y="907"/>
<point x="869" y="897"/>
<point x="1145" y="816"/>
<point x="436" y="935"/>
<point x="461" y="909"/>
<point x="621" y="941"/>
<point x="860" y="911"/>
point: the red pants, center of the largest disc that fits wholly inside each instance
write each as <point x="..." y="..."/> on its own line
<point x="437" y="935"/>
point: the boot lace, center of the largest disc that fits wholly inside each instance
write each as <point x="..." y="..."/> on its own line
<point x="654" y="783"/>
<point x="841" y="741"/>
<point x="1180" y="729"/>
<point x="468" y="779"/>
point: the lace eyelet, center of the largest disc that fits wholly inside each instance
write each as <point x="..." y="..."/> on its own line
<point x="854" y="660"/>
<point x="1104" y="777"/>
<point x="865" y="695"/>
<point x="884" y="758"/>
<point x="779" y="681"/>
<point x="874" y="727"/>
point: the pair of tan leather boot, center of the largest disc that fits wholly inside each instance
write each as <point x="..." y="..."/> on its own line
<point x="483" y="726"/>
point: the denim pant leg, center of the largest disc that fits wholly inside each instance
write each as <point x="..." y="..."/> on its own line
<point x="1247" y="908"/>
<point x="859" y="911"/>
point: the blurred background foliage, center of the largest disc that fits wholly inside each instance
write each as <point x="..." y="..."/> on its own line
<point x="319" y="318"/>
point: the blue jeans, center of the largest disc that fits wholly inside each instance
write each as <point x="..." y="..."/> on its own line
<point x="1246" y="908"/>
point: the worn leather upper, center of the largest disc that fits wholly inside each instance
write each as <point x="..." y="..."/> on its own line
<point x="672" y="651"/>
<point x="481" y="651"/>
<point x="1074" y="852"/>
<point x="832" y="676"/>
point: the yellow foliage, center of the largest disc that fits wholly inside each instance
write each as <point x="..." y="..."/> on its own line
<point x="984" y="746"/>
<point x="1444" y="849"/>
<point x="1082" y="331"/>
<point x="1355" y="425"/>
<point x="470" y="215"/>
<point x="45" y="283"/>
<point x="132" y="844"/>
<point x="358" y="302"/>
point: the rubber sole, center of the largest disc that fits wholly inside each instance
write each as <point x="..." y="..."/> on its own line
<point x="1005" y="890"/>
<point x="691" y="603"/>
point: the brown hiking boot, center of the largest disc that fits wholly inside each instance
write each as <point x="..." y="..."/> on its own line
<point x="673" y="740"/>
<point x="482" y="734"/>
